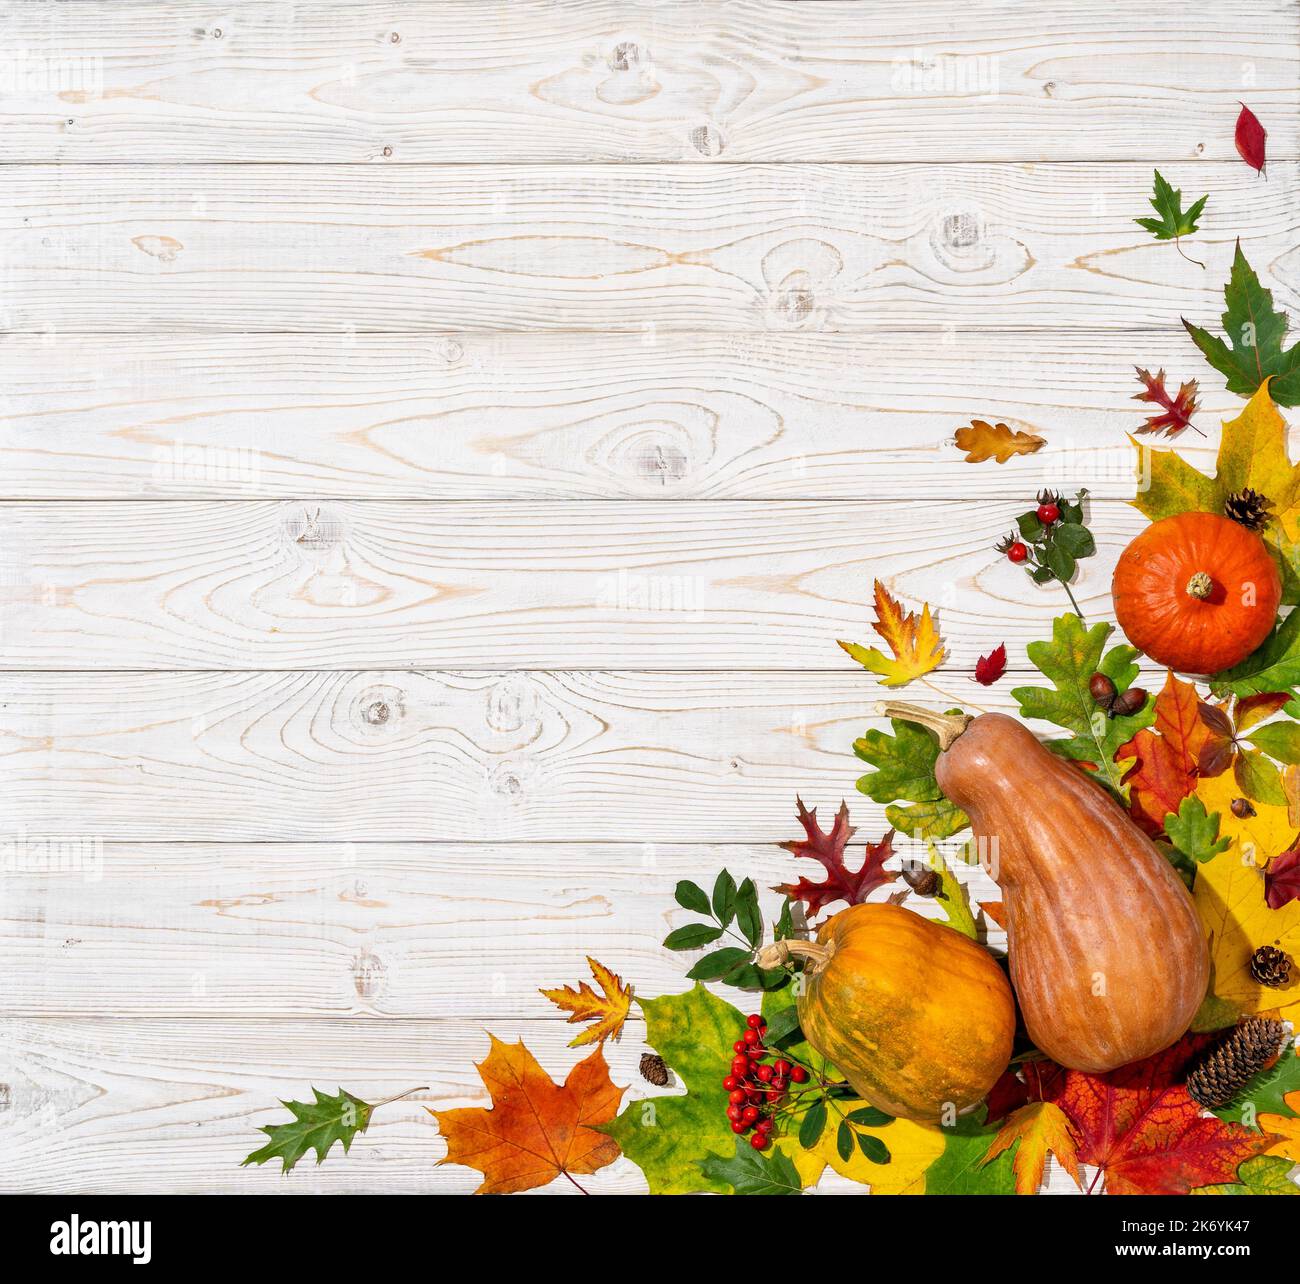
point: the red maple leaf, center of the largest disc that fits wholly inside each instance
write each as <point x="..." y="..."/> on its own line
<point x="1039" y="1080"/>
<point x="1250" y="136"/>
<point x="1158" y="781"/>
<point x="1178" y="411"/>
<point x="841" y="884"/>
<point x="1282" y="877"/>
<point x="1146" y="1135"/>
<point x="989" y="668"/>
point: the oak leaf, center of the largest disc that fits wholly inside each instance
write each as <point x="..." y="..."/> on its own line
<point x="841" y="883"/>
<point x="608" y="1010"/>
<point x="983" y="441"/>
<point x="905" y="764"/>
<point x="316" y="1125"/>
<point x="535" y="1130"/>
<point x="1146" y="1135"/>
<point x="1177" y="411"/>
<point x="914" y="641"/>
<point x="1034" y="1130"/>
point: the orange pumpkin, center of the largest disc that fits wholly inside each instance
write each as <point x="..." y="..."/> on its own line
<point x="1196" y="592"/>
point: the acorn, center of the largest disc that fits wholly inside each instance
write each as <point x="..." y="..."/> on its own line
<point x="1102" y="690"/>
<point x="1242" y="808"/>
<point x="923" y="880"/>
<point x="1128" y="702"/>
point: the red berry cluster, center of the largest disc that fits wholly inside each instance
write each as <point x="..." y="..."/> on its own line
<point x="1048" y="512"/>
<point x="754" y="1087"/>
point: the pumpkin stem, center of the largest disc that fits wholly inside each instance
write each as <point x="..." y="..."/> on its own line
<point x="778" y="954"/>
<point x="947" y="726"/>
<point x="1200" y="586"/>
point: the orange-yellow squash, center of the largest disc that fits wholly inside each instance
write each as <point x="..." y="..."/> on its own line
<point x="916" y="1016"/>
<point x="1107" y="953"/>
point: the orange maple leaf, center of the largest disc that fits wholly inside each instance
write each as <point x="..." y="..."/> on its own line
<point x="1038" y="1127"/>
<point x="608" y="1010"/>
<point x="1158" y="781"/>
<point x="983" y="441"/>
<point x="1178" y="720"/>
<point x="535" y="1130"/>
<point x="1284" y="1129"/>
<point x="913" y="639"/>
<point x="1143" y="1131"/>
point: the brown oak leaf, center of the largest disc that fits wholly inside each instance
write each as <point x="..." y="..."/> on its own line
<point x="983" y="441"/>
<point x="841" y="883"/>
<point x="535" y="1130"/>
<point x="1176" y="411"/>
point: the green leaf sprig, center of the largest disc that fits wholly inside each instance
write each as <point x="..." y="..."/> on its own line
<point x="1054" y="548"/>
<point x="732" y="911"/>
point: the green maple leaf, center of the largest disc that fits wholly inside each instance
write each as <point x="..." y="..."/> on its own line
<point x="1265" y="1093"/>
<point x="1194" y="832"/>
<point x="1173" y="221"/>
<point x="668" y="1138"/>
<point x="1256" y="330"/>
<point x="1070" y="659"/>
<point x="752" y="1172"/>
<point x="958" y="1171"/>
<point x="905" y="774"/>
<point x="1263" y="1175"/>
<point x="316" y="1126"/>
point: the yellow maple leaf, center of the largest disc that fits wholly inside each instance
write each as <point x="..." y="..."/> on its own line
<point x="1038" y="1127"/>
<point x="983" y="441"/>
<point x="1229" y="896"/>
<point x="1263" y="835"/>
<point x="912" y="1149"/>
<point x="608" y="1010"/>
<point x="913" y="639"/>
<point x="1286" y="1130"/>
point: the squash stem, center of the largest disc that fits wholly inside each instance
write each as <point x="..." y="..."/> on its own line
<point x="780" y="952"/>
<point x="947" y="726"/>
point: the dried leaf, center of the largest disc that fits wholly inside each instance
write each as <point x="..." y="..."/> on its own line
<point x="1178" y="411"/>
<point x="997" y="911"/>
<point x="1249" y="137"/>
<point x="1282" y="878"/>
<point x="983" y="441"/>
<point x="841" y="884"/>
<point x="914" y="641"/>
<point x="989" y="668"/>
<point x="1035" y="1130"/>
<point x="1158" y="781"/>
<point x="535" y="1130"/>
<point x="608" y="1009"/>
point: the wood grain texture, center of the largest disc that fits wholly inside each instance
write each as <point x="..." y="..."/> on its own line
<point x="139" y="1106"/>
<point x="530" y="586"/>
<point x="447" y="931"/>
<point x="738" y="248"/>
<point x="522" y="80"/>
<point x="503" y="758"/>
<point x="559" y="416"/>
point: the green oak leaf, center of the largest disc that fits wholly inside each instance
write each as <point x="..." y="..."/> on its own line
<point x="952" y="898"/>
<point x="1174" y="221"/>
<point x="1265" y="1093"/>
<point x="668" y="1138"/>
<point x="754" y="1172"/>
<point x="1069" y="660"/>
<point x="1273" y="666"/>
<point x="1255" y="331"/>
<point x="316" y="1126"/>
<point x="958" y="1170"/>
<point x="1263" y="1175"/>
<point x="904" y="773"/>
<point x="1194" y="832"/>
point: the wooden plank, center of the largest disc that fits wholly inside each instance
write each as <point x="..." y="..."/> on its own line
<point x="525" y="80"/>
<point x="739" y="248"/>
<point x="556" y="416"/>
<point x="138" y="1106"/>
<point x="519" y="585"/>
<point x="446" y="931"/>
<point x="497" y="758"/>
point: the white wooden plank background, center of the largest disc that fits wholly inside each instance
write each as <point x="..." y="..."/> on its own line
<point x="441" y="445"/>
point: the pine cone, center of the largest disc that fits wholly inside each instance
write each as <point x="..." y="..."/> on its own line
<point x="1219" y="1075"/>
<point x="654" y="1069"/>
<point x="1271" y="967"/>
<point x="1249" y="509"/>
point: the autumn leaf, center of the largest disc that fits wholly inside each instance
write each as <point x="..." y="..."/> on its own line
<point x="1263" y="1175"/>
<point x="961" y="1169"/>
<point x="316" y="1125"/>
<point x="989" y="668"/>
<point x="1037" y="1079"/>
<point x="1177" y="719"/>
<point x="1069" y="660"/>
<point x="951" y="896"/>
<point x="1145" y="1134"/>
<point x="608" y="1010"/>
<point x="914" y="641"/>
<point x="1195" y="832"/>
<point x="1177" y="411"/>
<point x="1174" y="222"/>
<point x="840" y="884"/>
<point x="751" y="1172"/>
<point x="982" y="441"/>
<point x="1262" y="832"/>
<point x="1249" y="137"/>
<point x="1284" y="1130"/>
<point x="1034" y="1130"/>
<point x="1267" y="1094"/>
<point x="1282" y="878"/>
<point x="535" y="1130"/>
<point x="1230" y="899"/>
<point x="1255" y="331"/>
<point x="1158" y="781"/>
<point x="997" y="911"/>
<point x="904" y="773"/>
